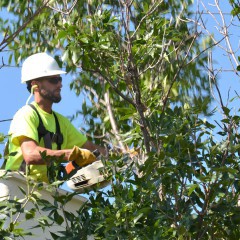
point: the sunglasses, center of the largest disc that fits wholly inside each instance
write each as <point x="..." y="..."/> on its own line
<point x="54" y="80"/>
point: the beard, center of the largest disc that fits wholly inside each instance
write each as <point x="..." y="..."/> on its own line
<point x="53" y="96"/>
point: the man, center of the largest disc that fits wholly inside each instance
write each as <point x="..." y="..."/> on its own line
<point x="41" y="73"/>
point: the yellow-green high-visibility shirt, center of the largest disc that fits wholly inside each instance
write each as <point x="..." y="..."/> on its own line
<point x="25" y="123"/>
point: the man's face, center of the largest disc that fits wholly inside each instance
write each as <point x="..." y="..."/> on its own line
<point x="50" y="88"/>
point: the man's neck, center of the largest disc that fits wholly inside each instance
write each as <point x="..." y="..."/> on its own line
<point x="45" y="105"/>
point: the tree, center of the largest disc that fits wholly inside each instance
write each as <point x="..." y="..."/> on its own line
<point x="144" y="72"/>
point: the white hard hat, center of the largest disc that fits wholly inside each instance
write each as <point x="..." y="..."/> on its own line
<point x="39" y="65"/>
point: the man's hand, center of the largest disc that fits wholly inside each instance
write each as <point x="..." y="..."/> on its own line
<point x="81" y="156"/>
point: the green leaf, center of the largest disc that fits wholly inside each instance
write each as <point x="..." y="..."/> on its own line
<point x="137" y="218"/>
<point x="62" y="34"/>
<point x="191" y="188"/>
<point x="30" y="214"/>
<point x="84" y="39"/>
<point x="226" y="110"/>
<point x="58" y="218"/>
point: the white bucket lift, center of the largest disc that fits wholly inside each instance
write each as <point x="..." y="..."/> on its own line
<point x="85" y="179"/>
<point x="10" y="189"/>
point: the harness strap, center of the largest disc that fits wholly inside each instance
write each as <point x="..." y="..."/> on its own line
<point x="57" y="137"/>
<point x="47" y="136"/>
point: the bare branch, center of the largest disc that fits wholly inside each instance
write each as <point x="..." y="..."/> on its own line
<point x="151" y="10"/>
<point x="113" y="122"/>
<point x="226" y="34"/>
<point x="95" y="95"/>
<point x="176" y="74"/>
<point x="65" y="6"/>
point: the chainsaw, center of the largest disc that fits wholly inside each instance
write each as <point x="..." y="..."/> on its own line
<point x="92" y="176"/>
<point x="88" y="178"/>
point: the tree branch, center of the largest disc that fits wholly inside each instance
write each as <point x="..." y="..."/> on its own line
<point x="6" y="40"/>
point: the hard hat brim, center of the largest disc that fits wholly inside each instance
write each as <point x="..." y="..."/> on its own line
<point x="47" y="74"/>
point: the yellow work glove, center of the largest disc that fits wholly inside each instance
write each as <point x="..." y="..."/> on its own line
<point x="81" y="156"/>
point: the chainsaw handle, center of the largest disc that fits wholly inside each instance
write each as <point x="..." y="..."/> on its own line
<point x="96" y="153"/>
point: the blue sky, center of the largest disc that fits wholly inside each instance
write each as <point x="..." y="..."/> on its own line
<point x="13" y="94"/>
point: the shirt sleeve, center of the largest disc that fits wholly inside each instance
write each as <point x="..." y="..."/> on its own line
<point x="24" y="125"/>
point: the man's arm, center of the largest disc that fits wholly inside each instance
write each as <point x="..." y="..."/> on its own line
<point x="31" y="152"/>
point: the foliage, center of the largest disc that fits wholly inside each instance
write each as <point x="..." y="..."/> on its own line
<point x="139" y="65"/>
<point x="188" y="191"/>
<point x="236" y="9"/>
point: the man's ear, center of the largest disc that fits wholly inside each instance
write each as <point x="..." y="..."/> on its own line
<point x="34" y="86"/>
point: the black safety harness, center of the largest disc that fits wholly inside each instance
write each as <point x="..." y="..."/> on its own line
<point x="48" y="137"/>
